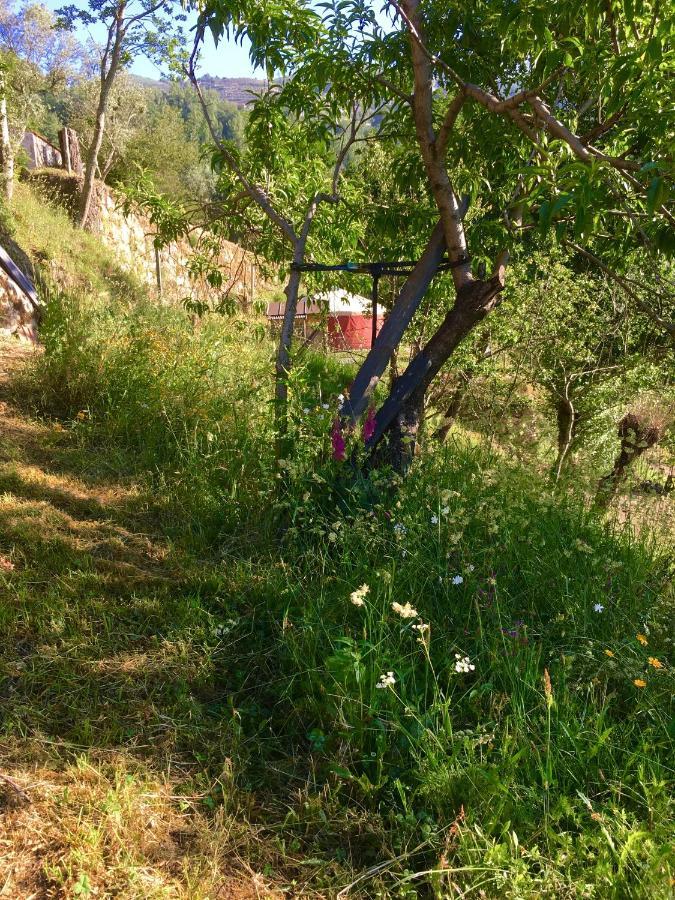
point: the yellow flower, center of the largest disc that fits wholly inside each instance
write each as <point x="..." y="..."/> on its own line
<point x="81" y="416"/>
<point x="653" y="661"/>
<point x="639" y="682"/>
<point x="643" y="640"/>
<point x="609" y="653"/>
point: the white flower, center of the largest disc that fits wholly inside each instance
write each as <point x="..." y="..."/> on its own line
<point x="325" y="406"/>
<point x="445" y="510"/>
<point x="341" y="400"/>
<point x="400" y="529"/>
<point x="421" y="627"/>
<point x="457" y="579"/>
<point x="386" y="681"/>
<point x="357" y="596"/>
<point x="463" y="664"/>
<point x="405" y="612"/>
<point x="470" y="567"/>
<point x="306" y="410"/>
<point x="434" y="520"/>
<point x="598" y="608"/>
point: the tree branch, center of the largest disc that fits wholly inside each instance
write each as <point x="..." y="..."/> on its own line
<point x="253" y="190"/>
<point x="667" y="326"/>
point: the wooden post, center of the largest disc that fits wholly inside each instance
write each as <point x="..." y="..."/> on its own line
<point x="70" y="151"/>
<point x="65" y="150"/>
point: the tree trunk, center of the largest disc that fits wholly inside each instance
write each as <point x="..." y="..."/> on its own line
<point x="6" y="153"/>
<point x="92" y="159"/>
<point x="458" y="395"/>
<point x="404" y="404"/>
<point x="636" y="436"/>
<point x="566" y="417"/>
<point x="283" y="360"/>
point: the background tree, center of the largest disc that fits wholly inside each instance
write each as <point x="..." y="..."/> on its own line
<point x="35" y="61"/>
<point x="133" y="27"/>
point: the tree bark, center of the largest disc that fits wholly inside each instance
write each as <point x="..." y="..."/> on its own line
<point x="283" y="360"/>
<point x="566" y="418"/>
<point x="6" y="153"/>
<point x="473" y="302"/>
<point x="465" y="377"/>
<point x="92" y="155"/>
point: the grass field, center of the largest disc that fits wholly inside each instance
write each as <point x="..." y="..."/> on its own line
<point x="456" y="686"/>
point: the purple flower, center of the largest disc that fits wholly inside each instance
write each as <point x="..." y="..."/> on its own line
<point x="338" y="441"/>
<point x="369" y="425"/>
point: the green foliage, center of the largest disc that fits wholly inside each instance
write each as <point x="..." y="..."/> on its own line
<point x="465" y="776"/>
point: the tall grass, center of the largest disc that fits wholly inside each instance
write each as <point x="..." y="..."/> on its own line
<point x="467" y="677"/>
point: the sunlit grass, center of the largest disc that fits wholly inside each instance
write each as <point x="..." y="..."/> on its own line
<point x="204" y="699"/>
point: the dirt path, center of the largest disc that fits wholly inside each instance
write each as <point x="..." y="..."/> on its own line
<point x="100" y="658"/>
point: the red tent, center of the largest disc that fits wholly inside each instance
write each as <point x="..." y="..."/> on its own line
<point x="348" y="316"/>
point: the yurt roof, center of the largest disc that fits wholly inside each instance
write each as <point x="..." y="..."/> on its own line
<point x="337" y="302"/>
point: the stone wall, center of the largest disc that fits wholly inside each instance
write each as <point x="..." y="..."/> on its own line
<point x="17" y="314"/>
<point x="131" y="238"/>
<point x="40" y="152"/>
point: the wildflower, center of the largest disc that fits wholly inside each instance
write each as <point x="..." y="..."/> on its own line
<point x="400" y="529"/>
<point x="81" y="416"/>
<point x="341" y="400"/>
<point x="58" y="427"/>
<point x="642" y="639"/>
<point x="405" y="611"/>
<point x="548" y="690"/>
<point x="609" y="653"/>
<point x="357" y="596"/>
<point x="445" y="510"/>
<point x="434" y="520"/>
<point x="639" y="682"/>
<point x="654" y="662"/>
<point x="338" y="441"/>
<point x="470" y="568"/>
<point x="369" y="425"/>
<point x="325" y="406"/>
<point x="386" y="681"/>
<point x="6" y="564"/>
<point x="306" y="410"/>
<point x="463" y="664"/>
<point x="457" y="579"/>
<point x="421" y="627"/>
<point x="598" y="608"/>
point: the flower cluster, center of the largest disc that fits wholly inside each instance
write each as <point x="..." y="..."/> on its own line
<point x="386" y="680"/>
<point x="405" y="611"/>
<point x="357" y="597"/>
<point x="463" y="664"/>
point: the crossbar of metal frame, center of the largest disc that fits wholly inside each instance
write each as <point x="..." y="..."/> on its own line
<point x="402" y="267"/>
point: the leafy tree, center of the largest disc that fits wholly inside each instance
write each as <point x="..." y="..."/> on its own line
<point x="133" y="27"/>
<point x="126" y="116"/>
<point x="297" y="143"/>
<point x="545" y="117"/>
<point x="34" y="60"/>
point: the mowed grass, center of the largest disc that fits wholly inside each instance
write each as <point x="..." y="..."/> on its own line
<point x="453" y="685"/>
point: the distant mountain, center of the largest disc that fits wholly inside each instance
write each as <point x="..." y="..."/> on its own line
<point x="236" y="90"/>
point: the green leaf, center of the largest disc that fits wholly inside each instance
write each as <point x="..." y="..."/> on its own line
<point x="654" y="194"/>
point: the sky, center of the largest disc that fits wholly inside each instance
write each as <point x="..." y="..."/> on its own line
<point x="228" y="60"/>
